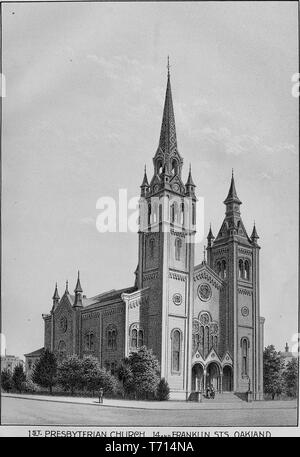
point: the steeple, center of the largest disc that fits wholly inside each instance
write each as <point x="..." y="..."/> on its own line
<point x="55" y="297"/>
<point x="232" y="194"/>
<point x="254" y="236"/>
<point x="210" y="237"/>
<point x="168" y="140"/>
<point x="167" y="160"/>
<point x="232" y="202"/>
<point x="145" y="184"/>
<point x="78" y="292"/>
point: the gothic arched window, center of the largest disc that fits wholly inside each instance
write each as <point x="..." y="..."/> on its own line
<point x="206" y="341"/>
<point x="149" y="213"/>
<point x="140" y="338"/>
<point x="224" y="273"/>
<point x="89" y="341"/>
<point x="219" y="268"/>
<point x="174" y="212"/>
<point x="159" y="166"/>
<point x="182" y="214"/>
<point x="151" y="246"/>
<point x="174" y="167"/>
<point x="134" y="338"/>
<point x="247" y="270"/>
<point x="111" y="334"/>
<point x="241" y="268"/>
<point x="176" y="348"/>
<point x="245" y="347"/>
<point x="160" y="213"/>
<point x="114" y="339"/>
<point x="178" y="246"/>
<point x="193" y="214"/>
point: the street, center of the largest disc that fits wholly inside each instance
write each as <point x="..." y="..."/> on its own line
<point x="20" y="411"/>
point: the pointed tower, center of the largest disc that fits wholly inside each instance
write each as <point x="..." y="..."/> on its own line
<point x="166" y="256"/>
<point x="210" y="241"/>
<point x="144" y="185"/>
<point x="55" y="298"/>
<point x="235" y="258"/>
<point x="167" y="160"/>
<point x="78" y="292"/>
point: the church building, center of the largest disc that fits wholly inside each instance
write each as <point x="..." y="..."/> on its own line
<point x="202" y="321"/>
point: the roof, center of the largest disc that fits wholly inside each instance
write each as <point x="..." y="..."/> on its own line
<point x="36" y="353"/>
<point x="107" y="296"/>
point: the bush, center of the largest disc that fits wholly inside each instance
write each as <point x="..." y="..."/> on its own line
<point x="30" y="387"/>
<point x="6" y="380"/>
<point x="163" y="390"/>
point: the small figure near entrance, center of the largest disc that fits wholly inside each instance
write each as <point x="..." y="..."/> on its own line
<point x="210" y="391"/>
<point x="101" y="395"/>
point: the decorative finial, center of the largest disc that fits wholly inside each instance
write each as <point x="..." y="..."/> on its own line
<point x="232" y="172"/>
<point x="190" y="168"/>
<point x="168" y="66"/>
<point x="145" y="169"/>
<point x="67" y="286"/>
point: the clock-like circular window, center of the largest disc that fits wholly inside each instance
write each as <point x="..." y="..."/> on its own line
<point x="204" y="292"/>
<point x="245" y="311"/>
<point x="177" y="299"/>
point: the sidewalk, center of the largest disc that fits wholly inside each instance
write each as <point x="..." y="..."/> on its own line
<point x="158" y="405"/>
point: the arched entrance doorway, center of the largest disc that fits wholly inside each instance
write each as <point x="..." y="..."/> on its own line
<point x="227" y="379"/>
<point x="197" y="378"/>
<point x="213" y="376"/>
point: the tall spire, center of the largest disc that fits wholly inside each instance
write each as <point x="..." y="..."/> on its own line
<point x="254" y="236"/>
<point x="145" y="179"/>
<point x="168" y="140"/>
<point x="78" y="287"/>
<point x="78" y="292"/>
<point x="56" y="294"/>
<point x="232" y="194"/>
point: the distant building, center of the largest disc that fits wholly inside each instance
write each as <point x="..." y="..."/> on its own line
<point x="30" y="360"/>
<point x="287" y="355"/>
<point x="9" y="362"/>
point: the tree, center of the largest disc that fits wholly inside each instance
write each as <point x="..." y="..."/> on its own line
<point x="125" y="375"/>
<point x="163" y="390"/>
<point x="273" y="372"/>
<point x="145" y="372"/>
<point x="290" y="376"/>
<point x="6" y="380"/>
<point x="95" y="377"/>
<point x="18" y="377"/>
<point x="45" y="370"/>
<point x="70" y="373"/>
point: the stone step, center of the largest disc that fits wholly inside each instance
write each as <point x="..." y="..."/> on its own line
<point x="225" y="397"/>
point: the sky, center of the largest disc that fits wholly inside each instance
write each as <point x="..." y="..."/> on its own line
<point x="85" y="85"/>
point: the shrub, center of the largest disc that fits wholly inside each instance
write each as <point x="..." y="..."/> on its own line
<point x="163" y="390"/>
<point x="6" y="380"/>
<point x="30" y="387"/>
